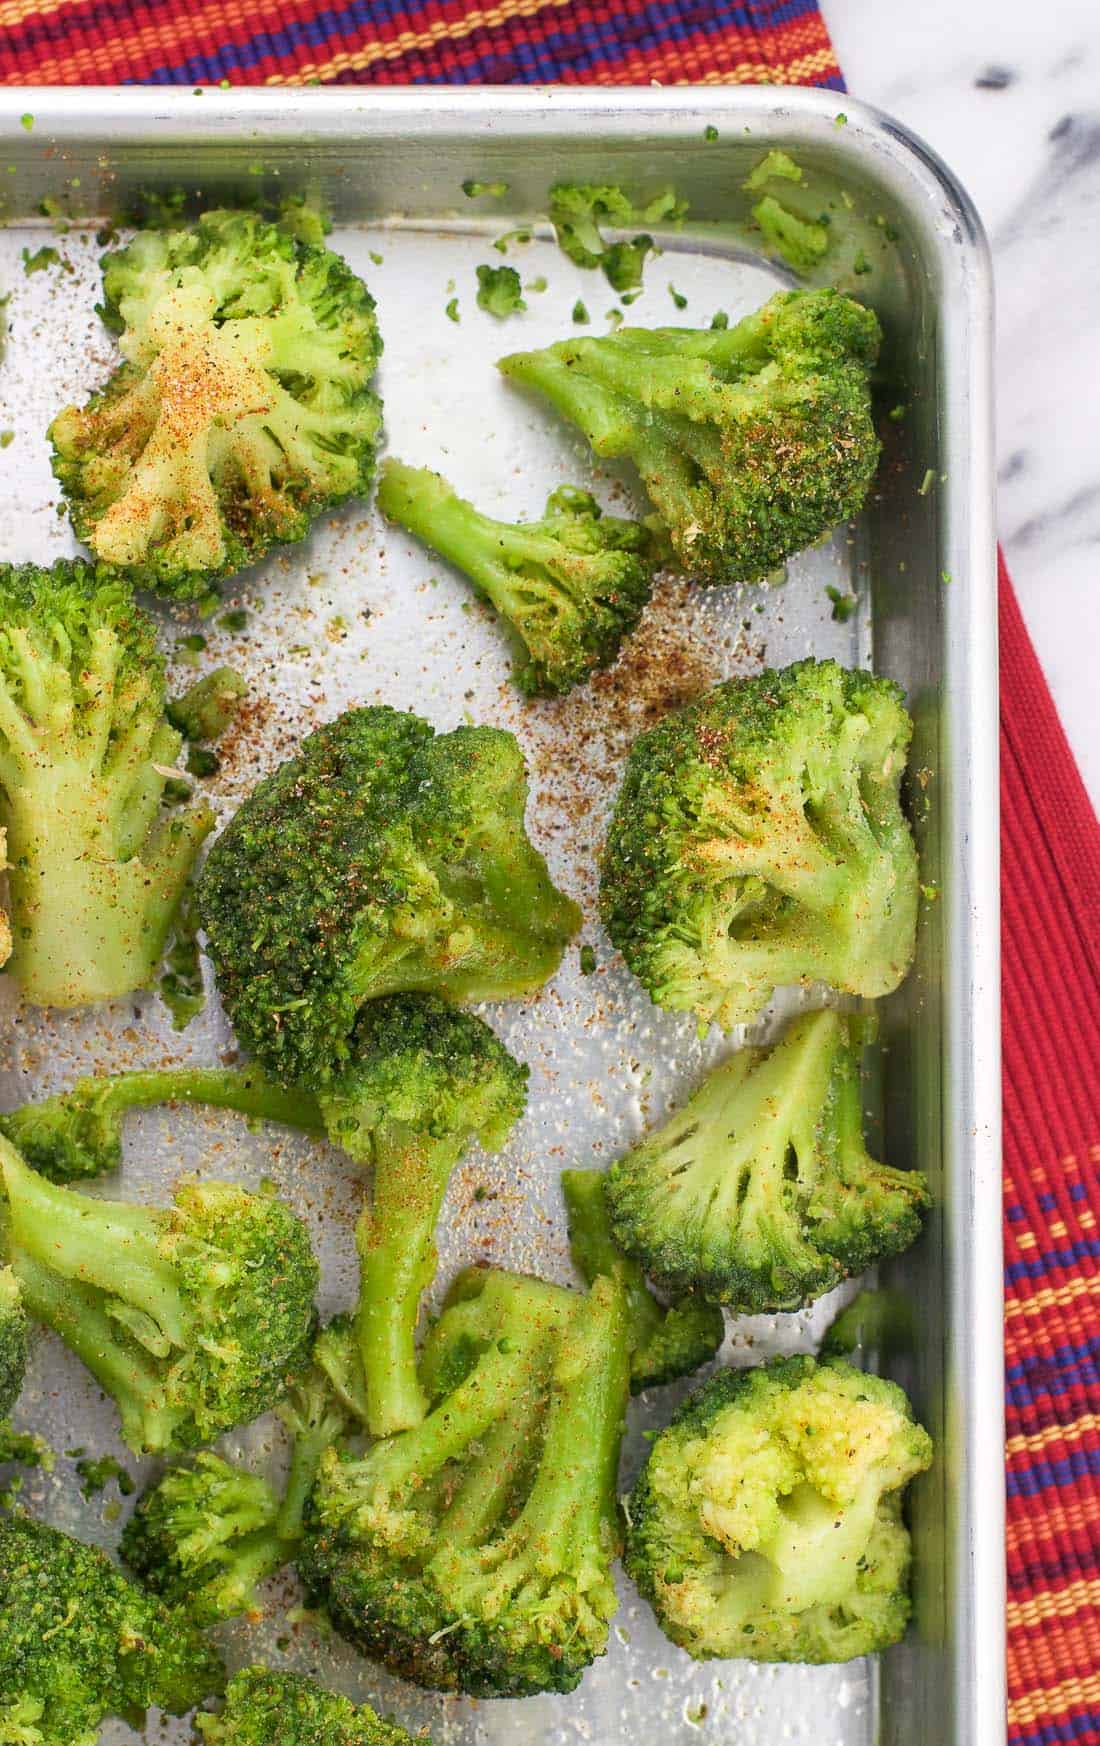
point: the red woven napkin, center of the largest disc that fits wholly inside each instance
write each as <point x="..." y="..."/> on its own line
<point x="1051" y="842"/>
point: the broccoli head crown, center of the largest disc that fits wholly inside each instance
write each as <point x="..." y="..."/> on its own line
<point x="383" y="858"/>
<point x="286" y="1709"/>
<point x="203" y="1536"/>
<point x="423" y="1066"/>
<point x="243" y="408"/>
<point x="758" y="839"/>
<point x="13" y="1341"/>
<point x="760" y="1192"/>
<point x="767" y="1521"/>
<point x="751" y="441"/>
<point x="85" y="749"/>
<point x="78" y="1643"/>
<point x="193" y="1317"/>
<point x="473" y="1553"/>
<point x="571" y="585"/>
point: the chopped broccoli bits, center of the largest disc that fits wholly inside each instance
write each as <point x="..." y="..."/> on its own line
<point x="758" y="840"/>
<point x="571" y="585"/>
<point x="473" y="1553"/>
<point x="78" y="1643"/>
<point x="286" y="1709"/>
<point x="243" y="408"/>
<point x="383" y="858"/>
<point x="767" y="1521"/>
<point x="751" y="440"/>
<point x="579" y="211"/>
<point x="760" y="1192"/>
<point x="97" y="867"/>
<point x="499" y="291"/>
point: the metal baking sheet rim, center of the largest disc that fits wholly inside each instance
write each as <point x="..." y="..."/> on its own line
<point x="942" y="212"/>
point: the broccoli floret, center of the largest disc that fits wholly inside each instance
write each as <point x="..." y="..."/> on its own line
<point x="499" y="292"/>
<point x="207" y="707"/>
<point x="79" y="1133"/>
<point x="85" y="754"/>
<point x="78" y="1643"/>
<point x="425" y="1082"/>
<point x="286" y="1709"/>
<point x="193" y="1318"/>
<point x="665" y="1342"/>
<point x="243" y="408"/>
<point x="751" y="441"/>
<point x="571" y="586"/>
<point x="578" y="210"/>
<point x="760" y="1192"/>
<point x="13" y="1342"/>
<point x="382" y="859"/>
<point x="767" y="1522"/>
<point x="758" y="840"/>
<point x="473" y="1553"/>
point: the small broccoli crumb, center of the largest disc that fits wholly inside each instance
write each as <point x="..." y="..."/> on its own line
<point x="375" y="258"/>
<point x="7" y="437"/>
<point x="773" y="164"/>
<point x="41" y="258"/>
<point x="927" y="483"/>
<point x="588" y="960"/>
<point x="580" y="313"/>
<point x="678" y="297"/>
<point x="797" y="241"/>
<point x="520" y="235"/>
<point x="499" y="292"/>
<point x="202" y="762"/>
<point x="234" y="620"/>
<point x="536" y="285"/>
<point x="898" y="412"/>
<point x="95" y="1475"/>
<point x="180" y="987"/>
<point x="474" y="190"/>
<point x="614" y="317"/>
<point x="930" y="893"/>
<point x="844" y="605"/>
<point x="208" y="707"/>
<point x="451" y="310"/>
<point x="840" y="120"/>
<point x="719" y="321"/>
<point x="27" y="122"/>
<point x="861" y="264"/>
<point x="710" y="133"/>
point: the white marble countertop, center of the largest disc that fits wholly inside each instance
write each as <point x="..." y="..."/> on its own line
<point x="1008" y="93"/>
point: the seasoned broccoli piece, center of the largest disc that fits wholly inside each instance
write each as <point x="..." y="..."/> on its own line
<point x="571" y="586"/>
<point x="760" y="1192"/>
<point x="751" y="440"/>
<point x="85" y="754"/>
<point x="474" y="1552"/>
<point x="78" y="1643"/>
<point x="767" y="1522"/>
<point x="579" y="209"/>
<point x="79" y="1132"/>
<point x="193" y="1318"/>
<point x="286" y="1709"/>
<point x="207" y="1534"/>
<point x="242" y="410"/>
<point x="207" y="707"/>
<point x="383" y="858"/>
<point x="758" y="839"/>
<point x="13" y="1343"/>
<point x="425" y="1082"/>
<point x="499" y="292"/>
<point x="665" y="1342"/>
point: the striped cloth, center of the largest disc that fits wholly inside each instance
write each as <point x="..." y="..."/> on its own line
<point x="1051" y="843"/>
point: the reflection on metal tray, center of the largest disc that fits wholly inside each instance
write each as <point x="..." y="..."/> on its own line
<point x="358" y="615"/>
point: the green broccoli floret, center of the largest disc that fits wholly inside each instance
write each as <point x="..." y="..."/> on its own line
<point x="473" y="1553"/>
<point x="383" y="858"/>
<point x="578" y="210"/>
<point x="752" y="441"/>
<point x="571" y="586"/>
<point x="767" y="1522"/>
<point x="760" y="1192"/>
<point x="193" y="1318"/>
<point x="79" y="1132"/>
<point x="207" y="707"/>
<point x="665" y="1342"/>
<point x="425" y="1082"/>
<point x="79" y="1643"/>
<point x="243" y="408"/>
<point x="286" y="1709"/>
<point x="14" y="1342"/>
<point x="85" y="753"/>
<point x="758" y="840"/>
<point x="499" y="292"/>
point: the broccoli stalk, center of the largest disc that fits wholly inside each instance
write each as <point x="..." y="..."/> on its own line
<point x="473" y="1552"/>
<point x="287" y="1709"/>
<point x="192" y="1318"/>
<point x="243" y="408"/>
<point x="79" y="1132"/>
<point x="751" y="441"/>
<point x="571" y="585"/>
<point x="778" y="851"/>
<point x="760" y="1192"/>
<point x="665" y="1342"/>
<point x="85" y="755"/>
<point x="78" y="1643"/>
<point x="767" y="1521"/>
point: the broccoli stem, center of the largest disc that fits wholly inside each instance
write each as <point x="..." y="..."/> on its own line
<point x="316" y="1429"/>
<point x="396" y="1242"/>
<point x="597" y="1254"/>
